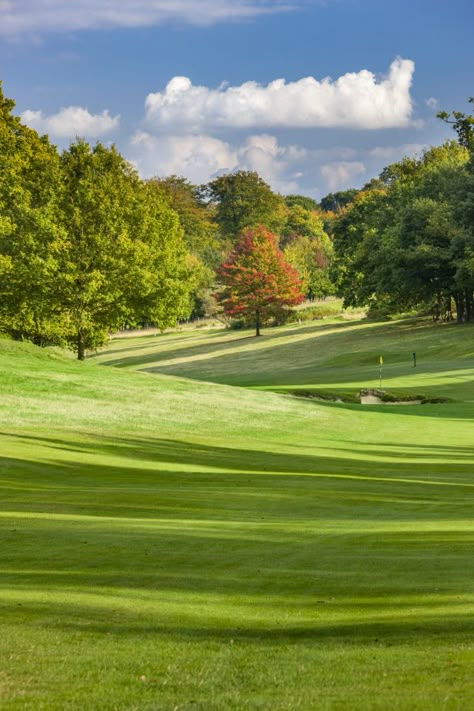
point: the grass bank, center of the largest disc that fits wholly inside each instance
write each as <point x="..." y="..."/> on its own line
<point x="170" y="543"/>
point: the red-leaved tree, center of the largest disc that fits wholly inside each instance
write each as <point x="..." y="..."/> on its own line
<point x="258" y="282"/>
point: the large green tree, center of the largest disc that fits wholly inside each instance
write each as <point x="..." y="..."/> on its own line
<point x="303" y="201"/>
<point x="301" y="222"/>
<point x="463" y="188"/>
<point x="243" y="200"/>
<point x="333" y="202"/>
<point x="406" y="244"/>
<point x="463" y="124"/>
<point x="200" y="236"/>
<point x="308" y="248"/>
<point x="124" y="257"/>
<point x="30" y="230"/>
<point x="195" y="216"/>
<point x="312" y="257"/>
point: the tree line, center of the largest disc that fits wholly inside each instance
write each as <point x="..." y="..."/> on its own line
<point x="87" y="246"/>
<point x="406" y="240"/>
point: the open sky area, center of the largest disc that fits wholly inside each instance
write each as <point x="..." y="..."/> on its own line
<point x="315" y="95"/>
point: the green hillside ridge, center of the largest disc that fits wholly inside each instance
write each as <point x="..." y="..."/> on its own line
<point x="170" y="543"/>
<point x="333" y="354"/>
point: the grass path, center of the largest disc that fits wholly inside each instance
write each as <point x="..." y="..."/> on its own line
<point x="176" y="544"/>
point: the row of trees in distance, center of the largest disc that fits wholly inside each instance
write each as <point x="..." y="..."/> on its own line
<point x="86" y="246"/>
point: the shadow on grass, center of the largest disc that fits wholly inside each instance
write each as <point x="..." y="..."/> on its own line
<point x="227" y="341"/>
<point x="117" y="539"/>
<point x="388" y="625"/>
<point x="294" y="363"/>
<point x="450" y="410"/>
<point x="392" y="461"/>
<point x="148" y="479"/>
<point x="161" y="341"/>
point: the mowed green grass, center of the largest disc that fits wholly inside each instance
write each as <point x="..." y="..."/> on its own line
<point x="175" y="544"/>
<point x="332" y="354"/>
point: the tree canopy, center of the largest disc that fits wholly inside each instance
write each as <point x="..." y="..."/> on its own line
<point x="410" y="243"/>
<point x="258" y="282"/>
<point x="243" y="200"/>
<point x="30" y="229"/>
<point x="85" y="245"/>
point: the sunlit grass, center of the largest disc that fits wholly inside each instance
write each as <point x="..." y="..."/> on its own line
<point x="177" y="544"/>
<point x="332" y="354"/>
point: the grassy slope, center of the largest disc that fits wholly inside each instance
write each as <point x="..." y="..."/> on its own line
<point x="332" y="354"/>
<point x="236" y="548"/>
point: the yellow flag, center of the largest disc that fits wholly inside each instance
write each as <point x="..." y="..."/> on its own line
<point x="381" y="360"/>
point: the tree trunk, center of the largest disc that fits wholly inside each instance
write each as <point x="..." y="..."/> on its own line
<point x="257" y="323"/>
<point x="459" y="307"/>
<point x="81" y="349"/>
<point x="469" y="313"/>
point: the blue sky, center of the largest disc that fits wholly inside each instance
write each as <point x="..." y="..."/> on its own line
<point x="190" y="86"/>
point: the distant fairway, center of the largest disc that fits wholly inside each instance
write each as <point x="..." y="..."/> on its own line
<point x="175" y="544"/>
<point x="331" y="354"/>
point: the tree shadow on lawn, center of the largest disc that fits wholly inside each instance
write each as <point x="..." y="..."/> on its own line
<point x="453" y="410"/>
<point x="287" y="364"/>
<point x="381" y="624"/>
<point x="228" y="341"/>
<point x="373" y="571"/>
<point x="307" y="542"/>
<point x="277" y="496"/>
<point x="159" y="340"/>
<point x="144" y="578"/>
<point x="442" y="629"/>
<point x="396" y="465"/>
<point x="227" y="338"/>
<point x="380" y="450"/>
<point x="428" y="452"/>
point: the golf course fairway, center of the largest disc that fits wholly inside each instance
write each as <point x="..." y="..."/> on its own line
<point x="180" y="532"/>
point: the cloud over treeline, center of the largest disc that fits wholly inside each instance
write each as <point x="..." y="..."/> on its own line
<point x="201" y="157"/>
<point x="355" y="100"/>
<point x="71" y="122"/>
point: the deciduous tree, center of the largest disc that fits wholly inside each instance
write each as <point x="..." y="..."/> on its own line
<point x="30" y="232"/>
<point x="312" y="258"/>
<point x="258" y="283"/>
<point x="195" y="216"/>
<point x="124" y="257"/>
<point x="243" y="200"/>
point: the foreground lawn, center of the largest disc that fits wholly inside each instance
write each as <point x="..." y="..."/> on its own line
<point x="170" y="544"/>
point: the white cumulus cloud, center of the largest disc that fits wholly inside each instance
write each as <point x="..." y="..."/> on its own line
<point x="200" y="157"/>
<point x="341" y="174"/>
<point x="72" y="121"/>
<point x="20" y="16"/>
<point x="354" y="100"/>
<point x="271" y="161"/>
<point x="196" y="157"/>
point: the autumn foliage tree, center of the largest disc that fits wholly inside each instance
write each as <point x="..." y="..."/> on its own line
<point x="258" y="283"/>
